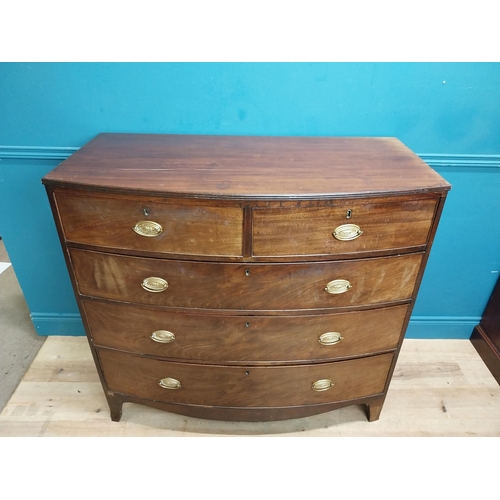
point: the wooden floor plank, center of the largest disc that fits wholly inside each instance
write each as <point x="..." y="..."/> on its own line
<point x="439" y="388"/>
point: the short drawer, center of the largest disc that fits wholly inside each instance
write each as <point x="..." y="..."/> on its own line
<point x="244" y="386"/>
<point x="147" y="225"/>
<point x="229" y="338"/>
<point x="351" y="226"/>
<point x="245" y="286"/>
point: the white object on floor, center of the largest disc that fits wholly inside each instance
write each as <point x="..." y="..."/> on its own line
<point x="4" y="266"/>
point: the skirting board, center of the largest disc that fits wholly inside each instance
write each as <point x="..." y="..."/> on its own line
<point x="441" y="327"/>
<point x="58" y="324"/>
<point x="420" y="327"/>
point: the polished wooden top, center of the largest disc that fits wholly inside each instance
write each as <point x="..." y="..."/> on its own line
<point x="247" y="166"/>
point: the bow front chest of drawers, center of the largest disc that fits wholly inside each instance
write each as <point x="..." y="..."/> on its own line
<point x="245" y="278"/>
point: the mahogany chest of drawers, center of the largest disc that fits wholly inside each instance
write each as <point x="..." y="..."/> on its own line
<point x="245" y="278"/>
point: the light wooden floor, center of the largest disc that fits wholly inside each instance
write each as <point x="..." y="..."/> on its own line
<point x="440" y="388"/>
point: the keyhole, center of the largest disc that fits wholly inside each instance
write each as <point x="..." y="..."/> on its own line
<point x="247" y="272"/>
<point x="247" y="324"/>
<point x="146" y="212"/>
<point x="348" y="214"/>
<point x="247" y="373"/>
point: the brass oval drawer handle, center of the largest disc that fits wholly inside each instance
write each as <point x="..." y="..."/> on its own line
<point x="170" y="383"/>
<point x="148" y="228"/>
<point x="322" y="385"/>
<point x="162" y="336"/>
<point x="154" y="284"/>
<point x="338" y="286"/>
<point x="347" y="232"/>
<point x="330" y="338"/>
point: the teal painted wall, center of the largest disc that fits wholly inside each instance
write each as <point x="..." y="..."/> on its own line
<point x="449" y="113"/>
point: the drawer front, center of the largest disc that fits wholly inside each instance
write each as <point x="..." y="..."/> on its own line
<point x="176" y="229"/>
<point x="210" y="338"/>
<point x="244" y="386"/>
<point x="383" y="225"/>
<point x="245" y="287"/>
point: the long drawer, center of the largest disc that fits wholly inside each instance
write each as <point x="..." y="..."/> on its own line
<point x="229" y="338"/>
<point x="244" y="386"/>
<point x="144" y="224"/>
<point x="245" y="286"/>
<point x="350" y="226"/>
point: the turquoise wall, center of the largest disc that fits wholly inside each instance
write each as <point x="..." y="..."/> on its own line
<point x="448" y="113"/>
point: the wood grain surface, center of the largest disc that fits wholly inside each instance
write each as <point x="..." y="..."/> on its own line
<point x="245" y="286"/>
<point x="195" y="229"/>
<point x="245" y="386"/>
<point x="230" y="339"/>
<point x="247" y="167"/>
<point x="385" y="224"/>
